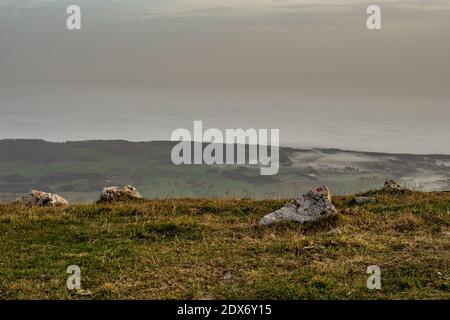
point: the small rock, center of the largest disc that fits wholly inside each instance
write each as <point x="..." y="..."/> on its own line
<point x="391" y="185"/>
<point x="43" y="199"/>
<point x="116" y="193"/>
<point x="228" y="276"/>
<point x="363" y="200"/>
<point x="310" y="207"/>
<point x="334" y="231"/>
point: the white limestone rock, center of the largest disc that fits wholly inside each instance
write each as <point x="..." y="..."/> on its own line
<point x="310" y="207"/>
<point x="116" y="193"/>
<point x="43" y="199"/>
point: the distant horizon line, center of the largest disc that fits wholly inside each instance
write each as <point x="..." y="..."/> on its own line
<point x="286" y="146"/>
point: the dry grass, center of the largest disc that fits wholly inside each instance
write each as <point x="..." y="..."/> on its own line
<point x="183" y="248"/>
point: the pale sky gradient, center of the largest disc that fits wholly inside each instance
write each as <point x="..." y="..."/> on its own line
<point x="140" y="69"/>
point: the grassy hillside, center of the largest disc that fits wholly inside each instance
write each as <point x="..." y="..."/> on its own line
<point x="79" y="170"/>
<point x="203" y="249"/>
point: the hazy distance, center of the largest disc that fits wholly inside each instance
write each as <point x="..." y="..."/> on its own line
<point x="140" y="69"/>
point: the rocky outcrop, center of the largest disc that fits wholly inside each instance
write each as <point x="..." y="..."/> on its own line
<point x="118" y="194"/>
<point x="43" y="199"/>
<point x="310" y="207"/>
<point x="391" y="185"/>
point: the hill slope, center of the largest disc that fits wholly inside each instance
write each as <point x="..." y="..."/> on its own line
<point x="79" y="170"/>
<point x="196" y="248"/>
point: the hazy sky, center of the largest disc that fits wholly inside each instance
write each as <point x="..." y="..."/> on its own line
<point x="140" y="69"/>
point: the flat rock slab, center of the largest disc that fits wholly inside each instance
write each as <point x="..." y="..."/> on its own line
<point x="313" y="206"/>
<point x="364" y="200"/>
